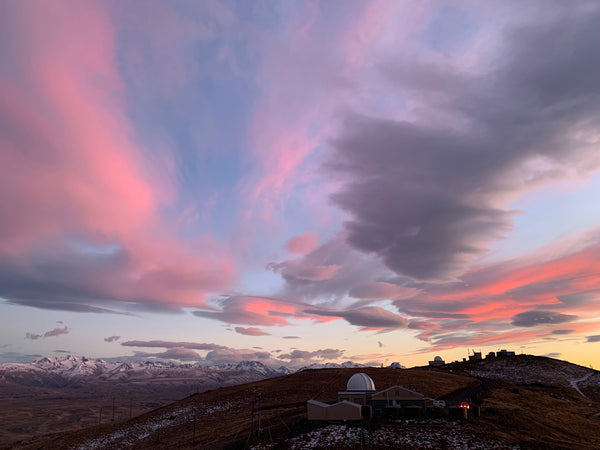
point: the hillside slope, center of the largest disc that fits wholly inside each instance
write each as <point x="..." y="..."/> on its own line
<point x="67" y="393"/>
<point x="526" y="402"/>
<point x="224" y="416"/>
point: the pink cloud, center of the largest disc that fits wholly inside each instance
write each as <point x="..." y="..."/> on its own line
<point x="302" y="244"/>
<point x="70" y="167"/>
<point x="252" y="310"/>
<point x="305" y="76"/>
<point x="494" y="304"/>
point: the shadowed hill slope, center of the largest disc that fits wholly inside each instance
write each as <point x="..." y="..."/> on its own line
<point x="527" y="402"/>
<point x="225" y="416"/>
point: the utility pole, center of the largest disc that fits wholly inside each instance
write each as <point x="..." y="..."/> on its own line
<point x="194" y="434"/>
<point x="259" y="407"/>
<point x="252" y="421"/>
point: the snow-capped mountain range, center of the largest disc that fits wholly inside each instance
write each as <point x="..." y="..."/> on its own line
<point x="329" y="365"/>
<point x="77" y="370"/>
<point x="74" y="370"/>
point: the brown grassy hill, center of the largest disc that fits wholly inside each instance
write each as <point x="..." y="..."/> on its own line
<point x="224" y="416"/>
<point x="538" y="401"/>
<point x="528" y="413"/>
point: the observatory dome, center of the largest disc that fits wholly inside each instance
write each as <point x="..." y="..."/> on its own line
<point x="360" y="382"/>
<point x="438" y="359"/>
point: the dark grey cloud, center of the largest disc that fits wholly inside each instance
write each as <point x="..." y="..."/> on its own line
<point x="367" y="317"/>
<point x="301" y="272"/>
<point x="63" y="351"/>
<point x="179" y="353"/>
<point x="60" y="276"/>
<point x="52" y="333"/>
<point x="69" y="281"/>
<point x="226" y="355"/>
<point x="291" y="337"/>
<point x="553" y="355"/>
<point x="327" y="354"/>
<point x="172" y="344"/>
<point x="427" y="197"/>
<point x="380" y="344"/>
<point x="562" y="331"/>
<point x="57" y="331"/>
<point x="540" y="317"/>
<point x="251" y="331"/>
<point x="112" y="338"/>
<point x="595" y="338"/>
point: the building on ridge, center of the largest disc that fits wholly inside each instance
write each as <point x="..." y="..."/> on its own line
<point x="360" y="400"/>
<point x="437" y="361"/>
<point x="359" y="389"/>
<point x="476" y="356"/>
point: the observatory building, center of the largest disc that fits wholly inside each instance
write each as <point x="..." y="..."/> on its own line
<point x="359" y="389"/>
<point x="361" y="400"/>
<point x="437" y="361"/>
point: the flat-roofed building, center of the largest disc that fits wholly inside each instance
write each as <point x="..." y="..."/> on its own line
<point x="343" y="411"/>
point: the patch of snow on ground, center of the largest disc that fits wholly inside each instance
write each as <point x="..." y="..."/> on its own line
<point x="520" y="371"/>
<point x="131" y="433"/>
<point x="574" y="383"/>
<point x="341" y="436"/>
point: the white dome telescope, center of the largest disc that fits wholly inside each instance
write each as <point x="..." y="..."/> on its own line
<point x="360" y="382"/>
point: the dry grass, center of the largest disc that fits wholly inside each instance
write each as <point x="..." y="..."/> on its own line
<point x="281" y="401"/>
<point x="542" y="417"/>
<point x="30" y="411"/>
<point x="533" y="416"/>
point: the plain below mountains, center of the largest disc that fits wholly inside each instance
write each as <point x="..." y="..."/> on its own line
<point x="66" y="393"/>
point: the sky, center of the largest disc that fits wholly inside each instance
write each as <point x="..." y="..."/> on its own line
<point x="299" y="182"/>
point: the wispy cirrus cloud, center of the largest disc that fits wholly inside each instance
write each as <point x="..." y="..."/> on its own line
<point x="100" y="192"/>
<point x="173" y="344"/>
